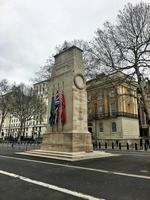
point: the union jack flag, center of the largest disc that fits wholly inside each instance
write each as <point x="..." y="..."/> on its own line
<point x="54" y="111"/>
<point x="63" y="111"/>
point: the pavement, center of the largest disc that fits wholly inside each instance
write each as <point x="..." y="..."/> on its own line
<point x="124" y="177"/>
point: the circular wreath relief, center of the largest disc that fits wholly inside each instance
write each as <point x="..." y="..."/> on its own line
<point x="79" y="81"/>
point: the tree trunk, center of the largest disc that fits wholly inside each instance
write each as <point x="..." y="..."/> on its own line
<point x="20" y="131"/>
<point x="1" y="124"/>
<point x="143" y="98"/>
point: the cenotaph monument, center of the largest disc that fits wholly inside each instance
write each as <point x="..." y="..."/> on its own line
<point x="67" y="135"/>
<point x="70" y="135"/>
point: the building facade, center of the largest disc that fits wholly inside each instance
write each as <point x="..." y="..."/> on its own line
<point x="112" y="108"/>
<point x="33" y="128"/>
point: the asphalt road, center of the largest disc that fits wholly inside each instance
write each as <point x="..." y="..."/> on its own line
<point x="124" y="177"/>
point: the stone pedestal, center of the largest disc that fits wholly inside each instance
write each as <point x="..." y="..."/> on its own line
<point x="67" y="142"/>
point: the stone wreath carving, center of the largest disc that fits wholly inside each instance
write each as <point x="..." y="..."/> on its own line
<point x="79" y="81"/>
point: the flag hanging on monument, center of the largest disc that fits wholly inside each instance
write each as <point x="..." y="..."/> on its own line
<point x="52" y="112"/>
<point x="57" y="103"/>
<point x="63" y="111"/>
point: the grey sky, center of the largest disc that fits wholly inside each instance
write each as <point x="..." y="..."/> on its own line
<point x="30" y="30"/>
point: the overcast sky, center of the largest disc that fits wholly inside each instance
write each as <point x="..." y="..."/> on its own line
<point x="30" y="30"/>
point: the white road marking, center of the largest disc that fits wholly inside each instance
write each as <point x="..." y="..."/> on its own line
<point x="78" y="167"/>
<point x="49" y="186"/>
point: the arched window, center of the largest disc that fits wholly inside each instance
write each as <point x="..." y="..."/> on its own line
<point x="114" y="127"/>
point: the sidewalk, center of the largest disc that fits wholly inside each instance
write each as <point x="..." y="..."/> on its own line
<point x="124" y="149"/>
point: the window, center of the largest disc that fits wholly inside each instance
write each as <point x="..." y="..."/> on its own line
<point x="113" y="109"/>
<point x="90" y="116"/>
<point x="112" y="93"/>
<point x="99" y="95"/>
<point x="100" y="111"/>
<point x="114" y="127"/>
<point x="101" y="128"/>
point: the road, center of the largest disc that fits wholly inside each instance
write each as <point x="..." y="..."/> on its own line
<point x="123" y="177"/>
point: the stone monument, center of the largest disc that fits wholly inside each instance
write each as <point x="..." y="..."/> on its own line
<point x="68" y="78"/>
<point x="67" y="139"/>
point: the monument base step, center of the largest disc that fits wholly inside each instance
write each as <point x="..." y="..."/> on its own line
<point x="68" y="156"/>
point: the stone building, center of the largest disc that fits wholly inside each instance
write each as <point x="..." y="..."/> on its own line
<point x="112" y="108"/>
<point x="33" y="128"/>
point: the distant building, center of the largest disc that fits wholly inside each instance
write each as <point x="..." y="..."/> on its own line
<point x="112" y="108"/>
<point x="33" y="128"/>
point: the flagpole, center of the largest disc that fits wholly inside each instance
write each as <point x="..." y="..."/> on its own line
<point x="58" y="109"/>
<point x="53" y="95"/>
<point x="62" y="93"/>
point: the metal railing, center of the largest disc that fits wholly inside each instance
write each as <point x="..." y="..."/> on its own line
<point x="18" y="146"/>
<point x="111" y="115"/>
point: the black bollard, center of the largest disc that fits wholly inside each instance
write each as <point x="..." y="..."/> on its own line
<point x="112" y="145"/>
<point x="99" y="145"/>
<point x="127" y="146"/>
<point x="145" y="146"/>
<point x="105" y="145"/>
<point x="96" y="144"/>
<point x="119" y="145"/>
<point x="135" y="146"/>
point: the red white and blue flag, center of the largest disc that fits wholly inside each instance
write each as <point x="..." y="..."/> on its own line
<point x="54" y="112"/>
<point x="63" y="111"/>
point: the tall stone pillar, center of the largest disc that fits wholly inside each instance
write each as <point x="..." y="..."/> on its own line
<point x="67" y="76"/>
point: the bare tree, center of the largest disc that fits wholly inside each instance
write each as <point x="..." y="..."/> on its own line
<point x="125" y="47"/>
<point x="5" y="100"/>
<point x="26" y="105"/>
<point x="44" y="73"/>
